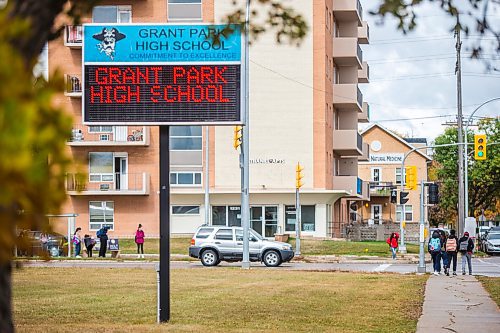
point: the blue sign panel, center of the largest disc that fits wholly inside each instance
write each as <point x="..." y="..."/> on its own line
<point x="117" y="43"/>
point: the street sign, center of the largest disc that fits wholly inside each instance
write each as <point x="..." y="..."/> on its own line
<point x="162" y="75"/>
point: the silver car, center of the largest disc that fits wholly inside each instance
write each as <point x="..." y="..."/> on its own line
<point x="491" y="244"/>
<point x="212" y="244"/>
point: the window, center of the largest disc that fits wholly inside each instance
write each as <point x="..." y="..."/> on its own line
<point x="408" y="213"/>
<point x="101" y="214"/>
<point x="185" y="210"/>
<point x="112" y="14"/>
<point x="376" y="174"/>
<point x="185" y="138"/>
<point x="184" y="10"/>
<point x="100" y="129"/>
<point x="398" y="176"/>
<point x="307" y="217"/>
<point x="204" y="232"/>
<point x="185" y="178"/>
<point x="101" y="167"/>
<point x="224" y="234"/>
<point x="226" y="215"/>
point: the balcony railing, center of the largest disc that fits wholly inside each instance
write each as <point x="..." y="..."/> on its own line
<point x="73" y="87"/>
<point x="359" y="142"/>
<point x="359" y="97"/>
<point x="82" y="135"/>
<point x="359" y="53"/>
<point x="73" y="36"/>
<point x="121" y="184"/>
<point x="381" y="189"/>
<point x="360" y="9"/>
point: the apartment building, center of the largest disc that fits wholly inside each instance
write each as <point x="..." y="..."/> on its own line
<point x="305" y="106"/>
<point x="383" y="170"/>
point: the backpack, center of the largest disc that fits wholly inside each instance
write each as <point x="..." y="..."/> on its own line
<point x="451" y="245"/>
<point x="464" y="245"/>
<point x="99" y="233"/>
<point x="435" y="245"/>
<point x="76" y="241"/>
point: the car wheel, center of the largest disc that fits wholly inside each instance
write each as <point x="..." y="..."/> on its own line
<point x="209" y="258"/>
<point x="272" y="259"/>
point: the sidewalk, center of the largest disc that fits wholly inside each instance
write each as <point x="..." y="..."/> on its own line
<point x="458" y="304"/>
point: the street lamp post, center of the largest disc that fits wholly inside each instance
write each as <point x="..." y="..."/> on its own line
<point x="466" y="164"/>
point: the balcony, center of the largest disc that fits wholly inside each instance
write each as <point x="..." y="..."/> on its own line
<point x="351" y="184"/>
<point x="109" y="136"/>
<point x="347" y="143"/>
<point x="346" y="51"/>
<point x="73" y="86"/>
<point x="381" y="189"/>
<point x="73" y="36"/>
<point x="347" y="96"/>
<point x="364" y="33"/>
<point x="364" y="73"/>
<point x="121" y="184"/>
<point x="365" y="156"/>
<point x="348" y="10"/>
<point x="364" y="116"/>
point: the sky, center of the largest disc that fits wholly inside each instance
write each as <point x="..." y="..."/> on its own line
<point x="413" y="86"/>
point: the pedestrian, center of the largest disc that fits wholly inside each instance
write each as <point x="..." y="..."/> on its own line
<point x="139" y="240"/>
<point x="102" y="234"/>
<point x="444" y="254"/>
<point x="434" y="248"/>
<point x="465" y="246"/>
<point x="89" y="244"/>
<point x="451" y="251"/>
<point x="77" y="242"/>
<point x="44" y="239"/>
<point x="393" y="244"/>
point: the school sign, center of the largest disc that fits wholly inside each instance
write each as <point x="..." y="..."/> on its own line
<point x="162" y="75"/>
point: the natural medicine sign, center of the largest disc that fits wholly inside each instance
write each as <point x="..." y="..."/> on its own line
<point x="162" y="75"/>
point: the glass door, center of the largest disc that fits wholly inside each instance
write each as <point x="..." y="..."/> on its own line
<point x="270" y="221"/>
<point x="256" y="219"/>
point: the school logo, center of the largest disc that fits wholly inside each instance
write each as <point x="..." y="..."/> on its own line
<point x="108" y="39"/>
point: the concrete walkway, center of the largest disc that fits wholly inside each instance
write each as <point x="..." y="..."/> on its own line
<point x="458" y="304"/>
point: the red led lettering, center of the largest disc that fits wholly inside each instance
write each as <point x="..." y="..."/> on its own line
<point x="129" y="75"/>
<point x="179" y="72"/>
<point x="156" y="70"/>
<point x="200" y="94"/>
<point x="122" y="98"/>
<point x="135" y="94"/>
<point x="167" y="98"/>
<point x="108" y="94"/>
<point x="155" y="93"/>
<point x="186" y="94"/>
<point x="95" y="94"/>
<point x="206" y="74"/>
<point x="114" y="74"/>
<point x="218" y="74"/>
<point x="104" y="71"/>
<point x="194" y="75"/>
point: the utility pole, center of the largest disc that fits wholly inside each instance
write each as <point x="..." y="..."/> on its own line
<point x="207" y="181"/>
<point x="461" y="196"/>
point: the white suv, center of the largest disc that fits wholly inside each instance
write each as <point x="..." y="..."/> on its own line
<point x="211" y="244"/>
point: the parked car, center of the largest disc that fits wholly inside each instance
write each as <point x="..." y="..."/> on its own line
<point x="212" y="244"/>
<point x="57" y="244"/>
<point x="491" y="242"/>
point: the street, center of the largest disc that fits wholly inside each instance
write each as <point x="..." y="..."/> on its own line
<point x="489" y="266"/>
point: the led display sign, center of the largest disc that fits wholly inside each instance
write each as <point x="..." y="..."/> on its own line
<point x="161" y="74"/>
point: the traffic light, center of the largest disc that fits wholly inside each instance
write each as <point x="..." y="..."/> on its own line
<point x="403" y="197"/>
<point x="238" y="136"/>
<point x="298" y="176"/>
<point x="433" y="194"/>
<point x="479" y="146"/>
<point x="411" y="177"/>
<point x="394" y="196"/>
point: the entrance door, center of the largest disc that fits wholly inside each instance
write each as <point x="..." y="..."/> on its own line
<point x="264" y="220"/>
<point x="121" y="173"/>
<point x="120" y="133"/>
<point x="377" y="213"/>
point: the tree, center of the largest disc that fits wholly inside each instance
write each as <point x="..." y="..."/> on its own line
<point x="484" y="192"/>
<point x="475" y="11"/>
<point x="33" y="132"/>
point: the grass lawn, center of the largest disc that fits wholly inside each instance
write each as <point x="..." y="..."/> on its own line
<point x="215" y="300"/>
<point x="492" y="285"/>
<point x="308" y="247"/>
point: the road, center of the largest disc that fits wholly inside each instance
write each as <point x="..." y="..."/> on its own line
<point x="480" y="266"/>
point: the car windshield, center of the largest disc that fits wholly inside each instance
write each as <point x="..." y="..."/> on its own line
<point x="255" y="234"/>
<point x="494" y="236"/>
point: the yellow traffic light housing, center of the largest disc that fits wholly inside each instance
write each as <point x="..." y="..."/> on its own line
<point x="298" y="176"/>
<point x="411" y="177"/>
<point x="238" y="137"/>
<point x="480" y="147"/>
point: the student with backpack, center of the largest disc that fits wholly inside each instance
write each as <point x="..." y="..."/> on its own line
<point x="434" y="249"/>
<point x="465" y="246"/>
<point x="102" y="234"/>
<point x="451" y="249"/>
<point x="444" y="254"/>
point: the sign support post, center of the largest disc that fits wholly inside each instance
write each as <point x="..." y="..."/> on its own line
<point x="164" y="224"/>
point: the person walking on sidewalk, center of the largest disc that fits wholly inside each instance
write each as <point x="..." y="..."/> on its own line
<point x="434" y="249"/>
<point x="465" y="246"/>
<point x="451" y="251"/>
<point x="393" y="243"/>
<point x="77" y="241"/>
<point x="444" y="254"/>
<point x="139" y="240"/>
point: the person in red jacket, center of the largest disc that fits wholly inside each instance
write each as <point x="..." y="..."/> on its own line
<point x="393" y="243"/>
<point x="139" y="240"/>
